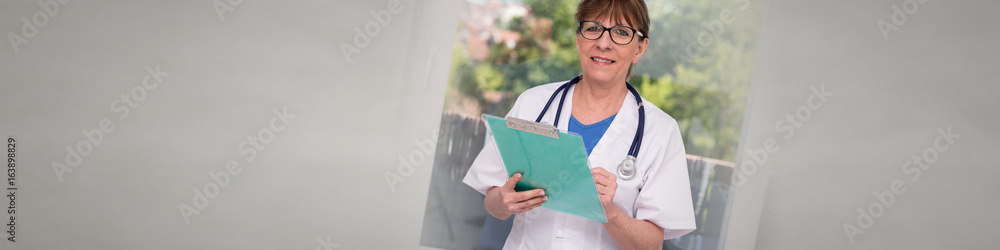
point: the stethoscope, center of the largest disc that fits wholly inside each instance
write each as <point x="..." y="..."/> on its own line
<point x="626" y="170"/>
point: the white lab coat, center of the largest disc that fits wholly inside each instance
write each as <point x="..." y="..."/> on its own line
<point x="659" y="193"/>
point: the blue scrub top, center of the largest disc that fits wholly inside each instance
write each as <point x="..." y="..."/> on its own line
<point x="591" y="133"/>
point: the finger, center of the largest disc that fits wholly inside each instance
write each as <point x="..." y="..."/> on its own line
<point x="607" y="174"/>
<point x="518" y="197"/>
<point x="597" y="175"/>
<point x="527" y="195"/>
<point x="532" y="204"/>
<point x="605" y="191"/>
<point x="530" y="208"/>
<point x="512" y="181"/>
<point x="605" y="185"/>
<point x="601" y="184"/>
<point x="602" y="173"/>
<point x="603" y="180"/>
<point x="597" y="171"/>
<point x="534" y="201"/>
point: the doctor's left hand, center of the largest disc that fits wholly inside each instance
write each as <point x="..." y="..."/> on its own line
<point x="607" y="183"/>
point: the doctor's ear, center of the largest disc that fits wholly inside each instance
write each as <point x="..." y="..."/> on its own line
<point x="642" y="46"/>
<point x="641" y="49"/>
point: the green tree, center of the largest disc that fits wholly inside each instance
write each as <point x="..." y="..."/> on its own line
<point x="697" y="67"/>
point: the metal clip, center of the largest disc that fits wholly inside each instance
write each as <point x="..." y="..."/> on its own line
<point x="532" y="127"/>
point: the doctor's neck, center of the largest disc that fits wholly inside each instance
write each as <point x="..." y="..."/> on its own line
<point x="600" y="93"/>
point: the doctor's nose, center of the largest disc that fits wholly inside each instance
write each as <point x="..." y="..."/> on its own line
<point x="604" y="42"/>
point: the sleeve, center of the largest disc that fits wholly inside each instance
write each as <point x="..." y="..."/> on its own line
<point x="487" y="170"/>
<point x="665" y="198"/>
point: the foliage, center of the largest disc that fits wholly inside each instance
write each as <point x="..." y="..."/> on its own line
<point x="702" y="83"/>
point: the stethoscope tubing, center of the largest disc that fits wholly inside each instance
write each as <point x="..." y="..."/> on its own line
<point x="636" y="141"/>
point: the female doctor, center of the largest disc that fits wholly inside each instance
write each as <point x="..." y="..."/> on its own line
<point x="644" y="206"/>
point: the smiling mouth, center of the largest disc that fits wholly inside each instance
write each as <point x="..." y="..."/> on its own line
<point x="602" y="60"/>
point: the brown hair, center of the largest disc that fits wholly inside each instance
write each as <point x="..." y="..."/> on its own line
<point x="634" y="12"/>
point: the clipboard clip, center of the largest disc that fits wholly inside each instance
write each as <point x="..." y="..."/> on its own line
<point x="532" y="127"/>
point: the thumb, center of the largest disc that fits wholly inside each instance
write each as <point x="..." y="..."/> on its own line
<point x="512" y="181"/>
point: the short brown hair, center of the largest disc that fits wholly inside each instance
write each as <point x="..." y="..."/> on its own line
<point x="634" y="12"/>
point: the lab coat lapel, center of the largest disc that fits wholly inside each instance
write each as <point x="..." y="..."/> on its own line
<point x="614" y="145"/>
<point x="567" y="109"/>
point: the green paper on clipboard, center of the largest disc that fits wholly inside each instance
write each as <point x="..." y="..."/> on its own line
<point x="549" y="159"/>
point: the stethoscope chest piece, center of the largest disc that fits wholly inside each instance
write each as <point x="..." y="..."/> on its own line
<point x="626" y="170"/>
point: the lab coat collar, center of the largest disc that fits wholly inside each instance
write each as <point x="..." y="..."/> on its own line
<point x="614" y="145"/>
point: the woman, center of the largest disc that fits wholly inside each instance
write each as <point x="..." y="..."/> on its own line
<point x="642" y="210"/>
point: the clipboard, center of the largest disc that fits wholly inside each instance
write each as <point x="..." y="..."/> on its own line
<point x="549" y="159"/>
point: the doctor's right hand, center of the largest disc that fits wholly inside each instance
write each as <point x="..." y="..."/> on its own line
<point x="513" y="202"/>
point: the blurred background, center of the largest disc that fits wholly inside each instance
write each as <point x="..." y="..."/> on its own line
<point x="382" y="97"/>
<point x="505" y="47"/>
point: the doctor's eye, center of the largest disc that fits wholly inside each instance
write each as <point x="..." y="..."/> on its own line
<point x="622" y="32"/>
<point x="591" y="27"/>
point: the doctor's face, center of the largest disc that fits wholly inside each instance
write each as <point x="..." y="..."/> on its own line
<point x="604" y="59"/>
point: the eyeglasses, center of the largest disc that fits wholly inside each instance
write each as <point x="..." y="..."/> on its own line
<point x="592" y="30"/>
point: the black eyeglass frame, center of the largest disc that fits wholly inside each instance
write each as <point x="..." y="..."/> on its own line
<point x="579" y="30"/>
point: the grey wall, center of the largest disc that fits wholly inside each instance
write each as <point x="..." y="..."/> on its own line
<point x="323" y="176"/>
<point x="890" y="96"/>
